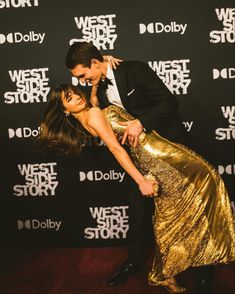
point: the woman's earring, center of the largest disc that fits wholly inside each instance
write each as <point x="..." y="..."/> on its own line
<point x="67" y="114"/>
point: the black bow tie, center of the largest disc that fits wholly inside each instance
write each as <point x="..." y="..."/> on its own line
<point x="104" y="83"/>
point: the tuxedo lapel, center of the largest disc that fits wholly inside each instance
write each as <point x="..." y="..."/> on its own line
<point x="120" y="77"/>
<point x="103" y="99"/>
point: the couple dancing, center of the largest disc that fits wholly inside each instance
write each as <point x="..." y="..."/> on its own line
<point x="193" y="224"/>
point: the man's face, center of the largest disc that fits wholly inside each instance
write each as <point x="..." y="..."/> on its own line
<point x="88" y="74"/>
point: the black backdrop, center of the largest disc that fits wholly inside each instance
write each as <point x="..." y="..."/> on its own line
<point x="48" y="200"/>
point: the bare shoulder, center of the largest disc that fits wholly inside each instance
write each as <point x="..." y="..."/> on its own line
<point x="95" y="115"/>
<point x="94" y="111"/>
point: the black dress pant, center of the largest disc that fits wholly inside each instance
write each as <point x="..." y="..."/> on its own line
<point x="140" y="234"/>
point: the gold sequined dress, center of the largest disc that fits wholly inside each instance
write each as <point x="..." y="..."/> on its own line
<point x="193" y="222"/>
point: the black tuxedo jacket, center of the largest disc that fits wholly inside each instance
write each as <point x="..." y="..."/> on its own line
<point x="145" y="97"/>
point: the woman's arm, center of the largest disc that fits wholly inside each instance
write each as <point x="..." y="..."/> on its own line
<point x="98" y="123"/>
<point x="93" y="98"/>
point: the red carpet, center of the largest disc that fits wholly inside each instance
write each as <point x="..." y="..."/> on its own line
<point x="85" y="271"/>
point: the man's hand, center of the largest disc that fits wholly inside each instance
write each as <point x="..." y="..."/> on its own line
<point x="133" y="130"/>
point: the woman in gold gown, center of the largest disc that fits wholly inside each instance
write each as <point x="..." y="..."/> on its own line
<point x="193" y="222"/>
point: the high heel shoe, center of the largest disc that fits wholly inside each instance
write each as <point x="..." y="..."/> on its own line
<point x="172" y="286"/>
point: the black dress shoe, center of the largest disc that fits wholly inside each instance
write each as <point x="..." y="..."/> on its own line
<point x="126" y="270"/>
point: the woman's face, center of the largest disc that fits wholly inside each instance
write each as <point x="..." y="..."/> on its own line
<point x="73" y="102"/>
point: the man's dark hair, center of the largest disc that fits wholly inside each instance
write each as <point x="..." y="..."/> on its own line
<point x="82" y="53"/>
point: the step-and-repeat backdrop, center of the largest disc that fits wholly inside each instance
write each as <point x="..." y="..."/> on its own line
<point x="49" y="200"/>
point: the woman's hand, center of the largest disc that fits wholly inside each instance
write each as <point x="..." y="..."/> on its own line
<point x="113" y="62"/>
<point x="148" y="188"/>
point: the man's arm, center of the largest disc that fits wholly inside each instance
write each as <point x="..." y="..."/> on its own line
<point x="162" y="105"/>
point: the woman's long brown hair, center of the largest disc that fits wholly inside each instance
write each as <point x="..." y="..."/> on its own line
<point x="58" y="132"/>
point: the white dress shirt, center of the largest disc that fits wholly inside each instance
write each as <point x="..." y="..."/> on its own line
<point x="112" y="91"/>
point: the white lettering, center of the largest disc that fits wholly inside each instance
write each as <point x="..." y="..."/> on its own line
<point x="97" y="29"/>
<point x="32" y="86"/>
<point x="159" y="27"/>
<point x="174" y="73"/>
<point x="227" y="17"/>
<point x="40" y="180"/>
<point x="112" y="223"/>
<point x="18" y="3"/>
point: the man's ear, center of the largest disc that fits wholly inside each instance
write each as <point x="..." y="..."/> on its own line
<point x="95" y="62"/>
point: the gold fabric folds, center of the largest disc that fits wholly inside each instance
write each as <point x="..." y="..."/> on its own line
<point x="193" y="222"/>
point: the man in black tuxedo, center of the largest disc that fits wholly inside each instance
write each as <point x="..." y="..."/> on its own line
<point x="133" y="85"/>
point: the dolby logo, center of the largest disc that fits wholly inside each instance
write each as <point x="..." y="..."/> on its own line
<point x="24" y="224"/>
<point x="18" y="37"/>
<point x="23" y="132"/>
<point x="98" y="175"/>
<point x="228" y="169"/>
<point x="159" y="27"/>
<point x="225" y="73"/>
<point x="35" y="224"/>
